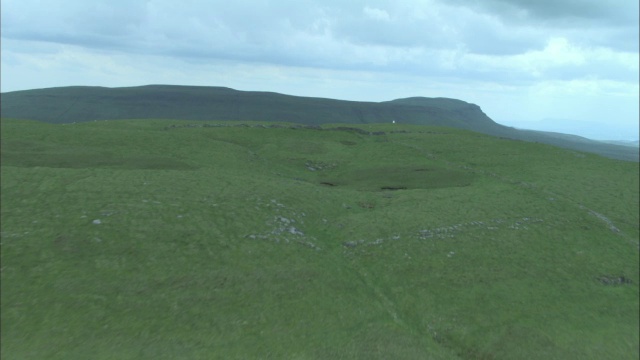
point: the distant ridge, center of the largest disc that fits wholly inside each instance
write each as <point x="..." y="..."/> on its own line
<point x="86" y="103"/>
<point x="78" y="104"/>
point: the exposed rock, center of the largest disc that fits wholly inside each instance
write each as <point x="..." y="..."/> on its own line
<point x="282" y="229"/>
<point x="493" y="224"/>
<point x="614" y="280"/>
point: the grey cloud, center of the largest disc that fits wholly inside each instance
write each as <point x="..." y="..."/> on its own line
<point x="239" y="27"/>
<point x="436" y="25"/>
<point x="93" y="24"/>
<point x="609" y="23"/>
<point x="594" y="69"/>
<point x="390" y="36"/>
<point x="561" y="12"/>
<point x="621" y="39"/>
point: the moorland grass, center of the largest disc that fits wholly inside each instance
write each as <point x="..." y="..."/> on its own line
<point x="135" y="240"/>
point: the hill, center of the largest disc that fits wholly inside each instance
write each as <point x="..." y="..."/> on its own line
<point x="80" y="104"/>
<point x="172" y="239"/>
<point x="635" y="143"/>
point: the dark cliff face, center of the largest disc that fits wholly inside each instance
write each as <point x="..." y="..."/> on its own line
<point x="470" y="114"/>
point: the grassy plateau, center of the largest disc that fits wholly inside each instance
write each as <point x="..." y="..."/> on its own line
<point x="168" y="239"/>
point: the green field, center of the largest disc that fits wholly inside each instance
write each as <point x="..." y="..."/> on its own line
<point x="161" y="239"/>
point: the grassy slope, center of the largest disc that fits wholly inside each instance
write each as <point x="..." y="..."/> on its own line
<point x="223" y="242"/>
<point x="78" y="104"/>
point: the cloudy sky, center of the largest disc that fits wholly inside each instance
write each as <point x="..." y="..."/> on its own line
<point x="559" y="65"/>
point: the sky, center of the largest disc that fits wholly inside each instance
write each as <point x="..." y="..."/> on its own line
<point x="558" y="65"/>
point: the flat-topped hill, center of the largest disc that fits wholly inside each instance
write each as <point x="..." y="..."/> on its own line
<point x="78" y="104"/>
<point x="82" y="103"/>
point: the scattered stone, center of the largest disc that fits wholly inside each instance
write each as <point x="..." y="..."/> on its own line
<point x="614" y="280"/>
<point x="294" y="231"/>
<point x="97" y="222"/>
<point x="318" y="165"/>
<point x="451" y="231"/>
<point x="281" y="229"/>
<point x="352" y="244"/>
<point x="284" y="220"/>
